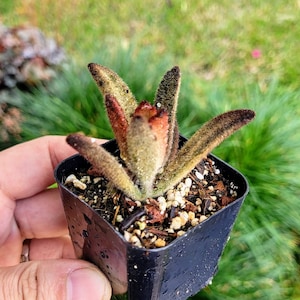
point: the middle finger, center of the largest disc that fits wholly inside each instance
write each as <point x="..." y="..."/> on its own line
<point x="41" y="216"/>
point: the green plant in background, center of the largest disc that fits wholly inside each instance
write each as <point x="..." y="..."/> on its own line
<point x="210" y="39"/>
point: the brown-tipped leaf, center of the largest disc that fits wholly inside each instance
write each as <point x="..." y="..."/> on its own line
<point x="104" y="163"/>
<point x="167" y="98"/>
<point x="210" y="135"/>
<point x="118" y="123"/>
<point x="109" y="83"/>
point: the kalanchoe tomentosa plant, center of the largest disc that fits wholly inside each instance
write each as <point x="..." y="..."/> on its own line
<point x="147" y="136"/>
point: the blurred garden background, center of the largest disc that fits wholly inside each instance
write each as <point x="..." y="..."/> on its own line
<point x="232" y="54"/>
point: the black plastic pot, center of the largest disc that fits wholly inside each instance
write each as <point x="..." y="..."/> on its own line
<point x="176" y="271"/>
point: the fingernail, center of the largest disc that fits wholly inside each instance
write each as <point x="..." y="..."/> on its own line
<point x="87" y="284"/>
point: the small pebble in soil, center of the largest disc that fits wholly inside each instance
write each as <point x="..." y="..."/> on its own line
<point x="199" y="175"/>
<point x="160" y="243"/>
<point x="76" y="182"/>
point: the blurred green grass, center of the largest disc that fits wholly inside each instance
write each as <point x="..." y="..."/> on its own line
<point x="213" y="44"/>
<point x="213" y="38"/>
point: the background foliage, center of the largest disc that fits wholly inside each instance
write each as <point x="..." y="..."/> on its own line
<point x="232" y="54"/>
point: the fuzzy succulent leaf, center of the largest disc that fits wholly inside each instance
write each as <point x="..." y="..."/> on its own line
<point x="118" y="122"/>
<point x="147" y="144"/>
<point x="167" y="98"/>
<point x="210" y="135"/>
<point x="104" y="163"/>
<point x="109" y="83"/>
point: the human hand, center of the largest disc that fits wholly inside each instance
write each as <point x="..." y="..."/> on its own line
<point x="31" y="211"/>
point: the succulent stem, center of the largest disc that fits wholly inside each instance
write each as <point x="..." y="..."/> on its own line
<point x="147" y="144"/>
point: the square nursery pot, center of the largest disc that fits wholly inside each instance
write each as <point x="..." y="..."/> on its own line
<point x="176" y="271"/>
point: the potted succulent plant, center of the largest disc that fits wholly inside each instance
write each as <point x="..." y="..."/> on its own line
<point x="152" y="210"/>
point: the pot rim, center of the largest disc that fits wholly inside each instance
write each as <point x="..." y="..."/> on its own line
<point x="169" y="245"/>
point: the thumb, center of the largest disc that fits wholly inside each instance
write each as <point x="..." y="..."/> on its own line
<point x="53" y="279"/>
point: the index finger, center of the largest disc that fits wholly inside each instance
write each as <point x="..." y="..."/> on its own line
<point x="27" y="168"/>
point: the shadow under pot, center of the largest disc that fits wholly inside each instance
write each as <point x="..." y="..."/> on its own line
<point x="176" y="271"/>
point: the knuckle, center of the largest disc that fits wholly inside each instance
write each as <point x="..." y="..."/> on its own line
<point x="18" y="282"/>
<point x="33" y="281"/>
<point x="27" y="285"/>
